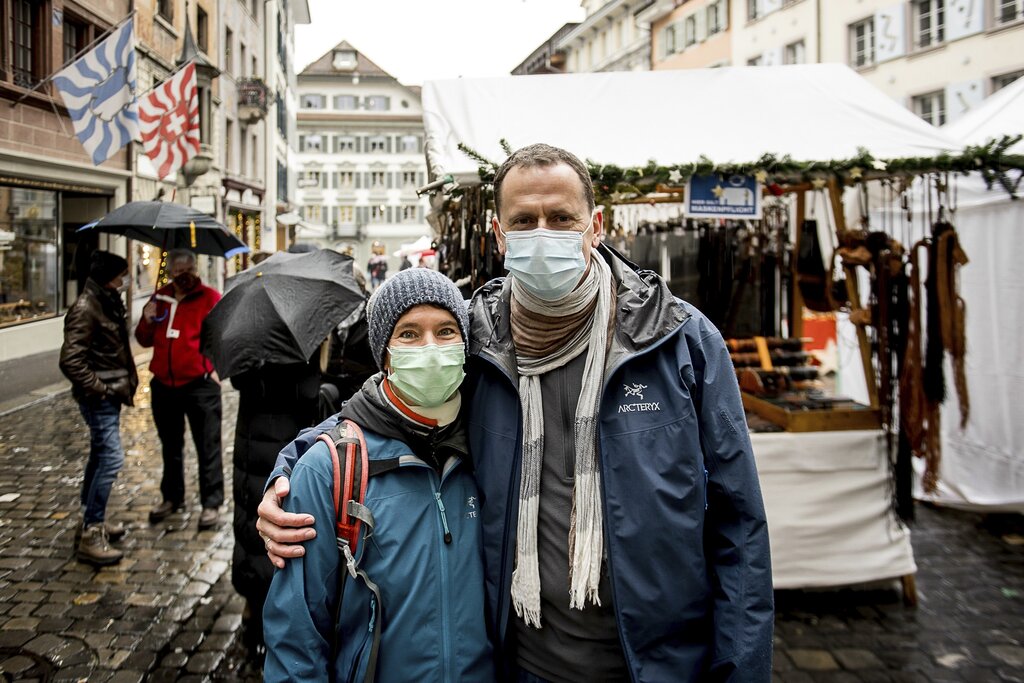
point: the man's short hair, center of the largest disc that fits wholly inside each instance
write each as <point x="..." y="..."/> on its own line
<point x="175" y="255"/>
<point x="543" y="155"/>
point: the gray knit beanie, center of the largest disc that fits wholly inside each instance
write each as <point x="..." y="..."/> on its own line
<point x="405" y="289"/>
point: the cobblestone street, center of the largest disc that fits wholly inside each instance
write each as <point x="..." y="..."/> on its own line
<point x="168" y="611"/>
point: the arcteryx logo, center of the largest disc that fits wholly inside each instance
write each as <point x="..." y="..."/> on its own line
<point x="637" y="390"/>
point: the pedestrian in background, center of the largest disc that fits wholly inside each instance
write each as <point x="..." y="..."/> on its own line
<point x="96" y="356"/>
<point x="184" y="385"/>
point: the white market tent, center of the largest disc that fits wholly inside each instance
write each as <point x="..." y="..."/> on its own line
<point x="813" y="112"/>
<point x="983" y="466"/>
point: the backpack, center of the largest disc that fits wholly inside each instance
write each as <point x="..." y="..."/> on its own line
<point x="353" y="523"/>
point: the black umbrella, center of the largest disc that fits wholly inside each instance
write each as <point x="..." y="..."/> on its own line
<point x="170" y="226"/>
<point x="280" y="310"/>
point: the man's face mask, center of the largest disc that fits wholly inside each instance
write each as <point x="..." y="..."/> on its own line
<point x="549" y="263"/>
<point x="186" y="281"/>
<point x="427" y="375"/>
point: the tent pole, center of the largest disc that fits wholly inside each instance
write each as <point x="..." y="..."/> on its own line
<point x="853" y="291"/>
<point x="796" y="309"/>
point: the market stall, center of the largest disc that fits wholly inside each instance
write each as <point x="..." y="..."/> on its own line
<point x="796" y="144"/>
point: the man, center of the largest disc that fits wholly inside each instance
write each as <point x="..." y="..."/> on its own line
<point x="624" y="532"/>
<point x="97" y="357"/>
<point x="184" y="385"/>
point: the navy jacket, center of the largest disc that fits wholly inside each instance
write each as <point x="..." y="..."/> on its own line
<point x="685" y="530"/>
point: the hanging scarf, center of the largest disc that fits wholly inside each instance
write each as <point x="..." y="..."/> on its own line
<point x="586" y="540"/>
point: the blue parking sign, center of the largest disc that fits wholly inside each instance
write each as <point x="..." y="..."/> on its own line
<point x="719" y="196"/>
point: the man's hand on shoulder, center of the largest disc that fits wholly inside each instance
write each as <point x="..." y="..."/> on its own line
<point x="282" y="532"/>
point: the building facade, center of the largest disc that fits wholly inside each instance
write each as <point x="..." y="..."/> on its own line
<point x="549" y="58"/>
<point x="689" y="34"/>
<point x="609" y="39"/>
<point x="360" y="135"/>
<point x="280" y="17"/>
<point x="49" y="186"/>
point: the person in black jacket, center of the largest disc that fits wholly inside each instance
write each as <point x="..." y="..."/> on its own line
<point x="96" y="356"/>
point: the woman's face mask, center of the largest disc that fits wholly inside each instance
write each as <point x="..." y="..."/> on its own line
<point x="427" y="375"/>
<point x="549" y="263"/>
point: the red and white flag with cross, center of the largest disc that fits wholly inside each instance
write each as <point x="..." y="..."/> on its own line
<point x="169" y="122"/>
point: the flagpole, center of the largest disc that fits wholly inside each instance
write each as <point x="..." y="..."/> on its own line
<point x="74" y="59"/>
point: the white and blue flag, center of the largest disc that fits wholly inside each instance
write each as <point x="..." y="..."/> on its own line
<point x="99" y="92"/>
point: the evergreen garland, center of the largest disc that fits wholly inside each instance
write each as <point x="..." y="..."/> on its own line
<point x="990" y="160"/>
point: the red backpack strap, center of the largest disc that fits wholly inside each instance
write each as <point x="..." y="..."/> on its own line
<point x="351" y="472"/>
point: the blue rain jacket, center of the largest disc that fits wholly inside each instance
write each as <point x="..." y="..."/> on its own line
<point x="432" y="591"/>
<point x="685" y="533"/>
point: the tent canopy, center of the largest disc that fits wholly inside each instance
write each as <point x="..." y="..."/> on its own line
<point x="813" y="112"/>
<point x="1001" y="114"/>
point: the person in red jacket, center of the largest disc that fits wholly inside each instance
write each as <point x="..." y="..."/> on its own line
<point x="184" y="385"/>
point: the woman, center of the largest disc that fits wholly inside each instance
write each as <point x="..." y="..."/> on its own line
<point x="425" y="550"/>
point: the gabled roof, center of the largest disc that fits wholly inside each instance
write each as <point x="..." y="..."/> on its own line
<point x="324" y="66"/>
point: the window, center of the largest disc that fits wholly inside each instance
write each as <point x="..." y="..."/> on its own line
<point x="229" y="132"/>
<point x="346" y="180"/>
<point x="1009" y="10"/>
<point x="241" y="59"/>
<point x="243" y="154"/>
<point x="346" y="102"/>
<point x="346" y="214"/>
<point x="931" y="107"/>
<point x="795" y="53"/>
<point x="378" y="103"/>
<point x="409" y="213"/>
<point x="229" y="42"/>
<point x="313" y="213"/>
<point x="690" y="31"/>
<point x="378" y="214"/>
<point x="76" y="37"/>
<point x="282" y="181"/>
<point x="409" y="144"/>
<point x="29" y="53"/>
<point x="929" y="22"/>
<point x="311" y="143"/>
<point x="29" y="269"/>
<point x="752" y="7"/>
<point x="344" y="60"/>
<point x="345" y="143"/>
<point x="255" y="67"/>
<point x="862" y="43"/>
<point x="282" y="117"/>
<point x="717" y="19"/>
<point x="165" y="8"/>
<point x="755" y="61"/>
<point x="668" y="38"/>
<point x="254" y="9"/>
<point x="257" y="172"/>
<point x="1000" y="82"/>
<point x="378" y="179"/>
<point x="313" y="101"/>
<point x="377" y="143"/>
<point x="312" y="179"/>
<point x="409" y="178"/>
<point x="202" y="29"/>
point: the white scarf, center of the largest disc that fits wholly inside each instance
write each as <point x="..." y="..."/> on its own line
<point x="586" y="538"/>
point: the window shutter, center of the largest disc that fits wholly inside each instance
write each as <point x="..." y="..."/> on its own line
<point x="390" y="214"/>
<point x="302" y="143"/>
<point x="419" y="144"/>
<point x="702" y="26"/>
<point x="359" y="179"/>
<point x="723" y="14"/>
<point x="387" y="144"/>
<point x="391" y="180"/>
<point x="419" y="180"/>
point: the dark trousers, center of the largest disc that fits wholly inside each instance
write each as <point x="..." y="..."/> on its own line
<point x="200" y="402"/>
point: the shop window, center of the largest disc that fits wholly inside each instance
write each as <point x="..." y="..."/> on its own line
<point x="1000" y="82"/>
<point x="795" y="53"/>
<point x="346" y="102"/>
<point x="378" y="103"/>
<point x="313" y="101"/>
<point x="1008" y="11"/>
<point x="929" y="22"/>
<point x="931" y="107"/>
<point x="862" y="43"/>
<point x="29" y="267"/>
<point x="202" y="30"/>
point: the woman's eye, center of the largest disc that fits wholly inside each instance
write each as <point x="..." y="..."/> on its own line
<point x="407" y="334"/>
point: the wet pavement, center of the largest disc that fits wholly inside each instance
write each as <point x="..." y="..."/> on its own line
<point x="167" y="612"/>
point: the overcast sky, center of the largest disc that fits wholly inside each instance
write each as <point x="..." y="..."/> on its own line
<point x="418" y="40"/>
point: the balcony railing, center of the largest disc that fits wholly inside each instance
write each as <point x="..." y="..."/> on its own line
<point x="252" y="99"/>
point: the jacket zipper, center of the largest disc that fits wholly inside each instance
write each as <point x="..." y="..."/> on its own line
<point x="446" y="539"/>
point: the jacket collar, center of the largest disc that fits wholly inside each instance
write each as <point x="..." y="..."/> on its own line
<point x="646" y="312"/>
